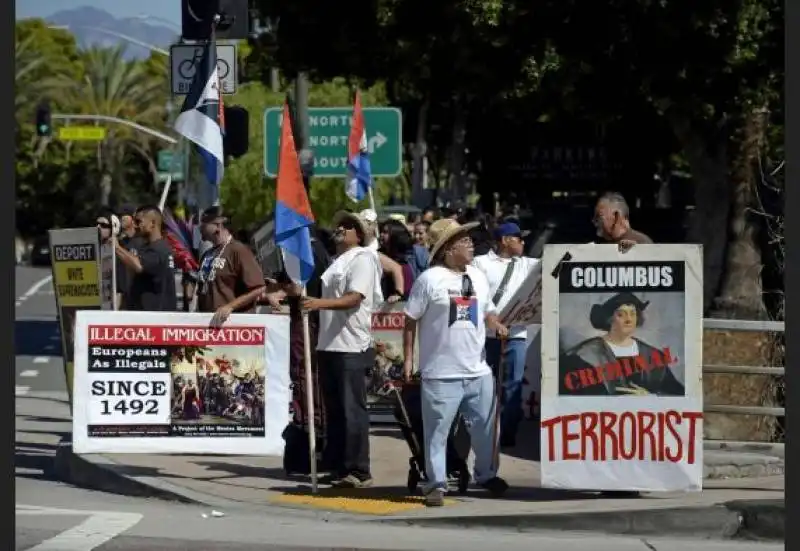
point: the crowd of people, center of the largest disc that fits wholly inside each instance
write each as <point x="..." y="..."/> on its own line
<point x="454" y="271"/>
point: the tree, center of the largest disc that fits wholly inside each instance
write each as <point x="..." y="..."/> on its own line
<point x="713" y="71"/>
<point x="111" y="86"/>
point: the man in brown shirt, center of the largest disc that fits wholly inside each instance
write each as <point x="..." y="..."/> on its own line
<point x="611" y="218"/>
<point x="230" y="279"/>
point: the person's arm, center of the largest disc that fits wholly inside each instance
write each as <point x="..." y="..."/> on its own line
<point x="490" y="317"/>
<point x="415" y="308"/>
<point x="396" y="271"/>
<point x="409" y="336"/>
<point x="128" y="259"/>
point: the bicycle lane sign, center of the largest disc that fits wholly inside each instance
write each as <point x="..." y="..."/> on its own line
<point x="185" y="58"/>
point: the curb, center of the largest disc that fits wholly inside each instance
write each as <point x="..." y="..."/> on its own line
<point x="757" y="519"/>
<point x="80" y="471"/>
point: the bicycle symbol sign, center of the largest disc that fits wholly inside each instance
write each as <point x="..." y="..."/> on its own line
<point x="185" y="60"/>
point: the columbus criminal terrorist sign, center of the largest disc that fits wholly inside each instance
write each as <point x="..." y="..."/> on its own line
<point x="151" y="382"/>
<point x="622" y="397"/>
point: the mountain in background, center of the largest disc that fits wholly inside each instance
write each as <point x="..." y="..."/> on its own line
<point x="84" y="21"/>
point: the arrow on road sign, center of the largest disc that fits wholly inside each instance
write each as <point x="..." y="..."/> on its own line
<point x="375" y="142"/>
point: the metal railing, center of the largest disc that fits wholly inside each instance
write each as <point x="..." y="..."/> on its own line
<point x="744" y="326"/>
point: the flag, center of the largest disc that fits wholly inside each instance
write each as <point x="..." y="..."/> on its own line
<point x="293" y="215"/>
<point x="359" y="173"/>
<point x="202" y="119"/>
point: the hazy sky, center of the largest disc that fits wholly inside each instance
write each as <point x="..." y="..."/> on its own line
<point x="167" y="9"/>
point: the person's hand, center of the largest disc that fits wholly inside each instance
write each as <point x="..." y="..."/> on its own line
<point x="501" y="330"/>
<point x="221" y="316"/>
<point x="393" y="298"/>
<point x="408" y="369"/>
<point x="625" y="245"/>
<point x="273" y="300"/>
<point x="309" y="304"/>
<point x="633" y="390"/>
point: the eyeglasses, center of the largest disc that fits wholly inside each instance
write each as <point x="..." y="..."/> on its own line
<point x="467" y="290"/>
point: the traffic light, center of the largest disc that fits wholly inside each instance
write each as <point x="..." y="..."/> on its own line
<point x="44" y="127"/>
<point x="236" y="141"/>
<point x="197" y="16"/>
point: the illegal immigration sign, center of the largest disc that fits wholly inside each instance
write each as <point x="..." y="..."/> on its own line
<point x="388" y="322"/>
<point x="622" y="399"/>
<point x="165" y="382"/>
<point x="77" y="281"/>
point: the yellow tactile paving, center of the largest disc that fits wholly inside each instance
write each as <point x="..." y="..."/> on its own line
<point x="372" y="505"/>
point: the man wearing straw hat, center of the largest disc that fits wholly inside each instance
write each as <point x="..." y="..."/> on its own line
<point x="350" y="293"/>
<point x="452" y="305"/>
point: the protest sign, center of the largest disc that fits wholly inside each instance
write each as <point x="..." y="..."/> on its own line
<point x="387" y="335"/>
<point x="107" y="259"/>
<point x="622" y="397"/>
<point x="164" y="382"/>
<point x="525" y="306"/>
<point x="75" y="261"/>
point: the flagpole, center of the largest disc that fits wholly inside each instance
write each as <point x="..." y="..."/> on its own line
<point x="310" y="415"/>
<point x="165" y="192"/>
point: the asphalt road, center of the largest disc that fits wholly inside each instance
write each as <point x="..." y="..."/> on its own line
<point x="54" y="516"/>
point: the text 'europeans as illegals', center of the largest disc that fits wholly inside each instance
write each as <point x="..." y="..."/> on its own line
<point x="175" y="335"/>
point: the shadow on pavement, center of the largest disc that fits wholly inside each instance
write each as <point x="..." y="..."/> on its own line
<point x="247" y="471"/>
<point x="37" y="338"/>
<point x="38" y="457"/>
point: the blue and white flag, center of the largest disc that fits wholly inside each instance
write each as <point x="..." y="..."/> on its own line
<point x="202" y="119"/>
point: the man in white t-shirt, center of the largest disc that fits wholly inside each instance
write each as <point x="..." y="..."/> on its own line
<point x="450" y="306"/>
<point x="506" y="270"/>
<point x="350" y="293"/>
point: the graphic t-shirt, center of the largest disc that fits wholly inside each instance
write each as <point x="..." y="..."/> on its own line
<point x="450" y="308"/>
<point x="153" y="289"/>
<point x="226" y="274"/>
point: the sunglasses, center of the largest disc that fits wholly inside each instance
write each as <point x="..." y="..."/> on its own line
<point x="104" y="225"/>
<point x="467" y="290"/>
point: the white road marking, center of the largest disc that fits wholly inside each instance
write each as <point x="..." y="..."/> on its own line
<point x="41" y="360"/>
<point x="35" y="288"/>
<point x="99" y="528"/>
<point x="21" y="390"/>
<point x="29" y="373"/>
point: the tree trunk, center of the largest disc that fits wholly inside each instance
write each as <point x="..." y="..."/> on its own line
<point x="457" y="180"/>
<point x="418" y="176"/>
<point x="709" y="220"/>
<point x="741" y="295"/>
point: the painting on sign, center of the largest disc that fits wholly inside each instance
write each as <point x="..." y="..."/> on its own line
<point x="622" y="398"/>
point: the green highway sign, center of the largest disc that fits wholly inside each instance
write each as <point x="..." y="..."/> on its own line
<point x="329" y="129"/>
<point x="167" y="162"/>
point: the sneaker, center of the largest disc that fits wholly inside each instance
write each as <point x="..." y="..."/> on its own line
<point x="496" y="486"/>
<point x="352" y="481"/>
<point x="434" y="498"/>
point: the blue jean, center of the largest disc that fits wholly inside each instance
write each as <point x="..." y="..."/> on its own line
<point x="442" y="400"/>
<point x="513" y="375"/>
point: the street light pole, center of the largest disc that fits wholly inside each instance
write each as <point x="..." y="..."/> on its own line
<point x="106" y="118"/>
<point x="125" y="37"/>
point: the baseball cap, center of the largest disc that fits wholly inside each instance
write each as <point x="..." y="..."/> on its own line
<point x="127" y="209"/>
<point x="508" y="229"/>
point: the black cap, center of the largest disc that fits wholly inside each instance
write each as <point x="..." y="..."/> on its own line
<point x="127" y="210"/>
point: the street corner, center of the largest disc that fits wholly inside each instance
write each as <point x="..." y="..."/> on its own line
<point x="95" y="472"/>
<point x="378" y="501"/>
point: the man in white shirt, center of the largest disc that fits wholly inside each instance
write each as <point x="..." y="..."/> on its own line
<point x="452" y="305"/>
<point x="350" y="293"/>
<point x="506" y="271"/>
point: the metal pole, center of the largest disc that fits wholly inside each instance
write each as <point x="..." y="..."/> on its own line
<point x="301" y="110"/>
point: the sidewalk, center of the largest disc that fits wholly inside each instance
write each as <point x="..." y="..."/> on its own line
<point x="749" y="480"/>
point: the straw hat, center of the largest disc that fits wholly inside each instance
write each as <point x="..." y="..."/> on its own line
<point x="363" y="226"/>
<point x="443" y="231"/>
